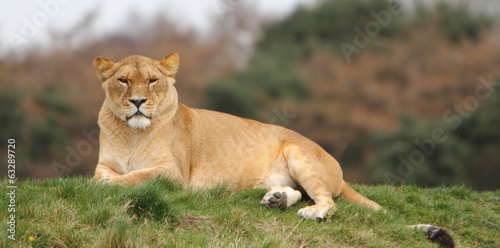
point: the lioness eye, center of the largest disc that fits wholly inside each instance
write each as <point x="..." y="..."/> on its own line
<point x="153" y="80"/>
<point x="123" y="80"/>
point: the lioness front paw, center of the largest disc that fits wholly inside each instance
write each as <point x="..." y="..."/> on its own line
<point x="116" y="180"/>
<point x="275" y="199"/>
<point x="101" y="178"/>
<point x="281" y="197"/>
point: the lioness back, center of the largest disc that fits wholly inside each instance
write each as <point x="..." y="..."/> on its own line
<point x="236" y="151"/>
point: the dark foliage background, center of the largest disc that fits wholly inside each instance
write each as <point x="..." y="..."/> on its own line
<point x="410" y="93"/>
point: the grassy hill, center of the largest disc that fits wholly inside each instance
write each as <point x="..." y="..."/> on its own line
<point x="75" y="212"/>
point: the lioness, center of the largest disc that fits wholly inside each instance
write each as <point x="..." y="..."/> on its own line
<point x="146" y="132"/>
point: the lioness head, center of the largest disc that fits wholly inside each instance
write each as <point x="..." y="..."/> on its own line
<point x="138" y="88"/>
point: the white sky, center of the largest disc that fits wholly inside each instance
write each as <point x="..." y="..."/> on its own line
<point x="24" y="23"/>
<point x="30" y="21"/>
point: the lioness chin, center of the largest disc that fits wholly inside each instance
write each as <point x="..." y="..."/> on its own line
<point x="146" y="132"/>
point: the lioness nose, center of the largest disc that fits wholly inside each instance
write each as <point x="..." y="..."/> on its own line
<point x="137" y="101"/>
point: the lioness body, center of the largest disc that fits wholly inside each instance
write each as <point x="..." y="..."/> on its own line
<point x="146" y="133"/>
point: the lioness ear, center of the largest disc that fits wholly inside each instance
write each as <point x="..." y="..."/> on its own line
<point x="102" y="67"/>
<point x="170" y="64"/>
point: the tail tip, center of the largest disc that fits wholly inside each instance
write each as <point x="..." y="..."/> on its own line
<point x="436" y="234"/>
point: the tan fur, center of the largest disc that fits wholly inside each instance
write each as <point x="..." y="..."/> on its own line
<point x="201" y="148"/>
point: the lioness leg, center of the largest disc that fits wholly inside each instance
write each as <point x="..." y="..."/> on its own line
<point x="281" y="197"/>
<point x="323" y="199"/>
<point x="311" y="173"/>
<point x="103" y="173"/>
<point x="143" y="175"/>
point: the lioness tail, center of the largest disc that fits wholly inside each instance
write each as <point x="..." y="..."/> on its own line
<point x="353" y="196"/>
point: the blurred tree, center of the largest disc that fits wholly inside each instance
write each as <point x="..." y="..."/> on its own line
<point x="327" y="25"/>
<point x="53" y="100"/>
<point x="273" y="78"/>
<point x="431" y="153"/>
<point x="426" y="153"/>
<point x="481" y="130"/>
<point x="230" y="98"/>
<point x="460" y="23"/>
<point x="273" y="72"/>
<point x="12" y="120"/>
<point x="481" y="127"/>
<point x="455" y="20"/>
<point x="49" y="135"/>
<point x="297" y="68"/>
<point x="46" y="137"/>
<point x="299" y="63"/>
<point x="11" y="115"/>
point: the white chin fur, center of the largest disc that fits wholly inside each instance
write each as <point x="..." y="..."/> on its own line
<point x="139" y="122"/>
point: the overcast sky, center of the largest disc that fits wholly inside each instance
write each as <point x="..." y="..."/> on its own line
<point x="24" y="23"/>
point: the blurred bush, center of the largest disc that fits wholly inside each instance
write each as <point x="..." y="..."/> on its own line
<point x="455" y="20"/>
<point x="41" y="135"/>
<point x="399" y="84"/>
<point x="463" y="152"/>
<point x="53" y="99"/>
<point x="47" y="138"/>
<point x="324" y="27"/>
<point x="230" y="98"/>
<point x="481" y="131"/>
<point x="48" y="135"/>
<point x="412" y="156"/>
<point x="11" y="115"/>
<point x="273" y="69"/>
<point x="366" y="110"/>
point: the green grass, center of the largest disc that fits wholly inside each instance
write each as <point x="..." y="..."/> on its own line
<point x="77" y="212"/>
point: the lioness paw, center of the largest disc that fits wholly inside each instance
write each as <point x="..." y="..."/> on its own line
<point x="281" y="197"/>
<point x="102" y="178"/>
<point x="275" y="199"/>
<point x="315" y="212"/>
<point x="120" y="180"/>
